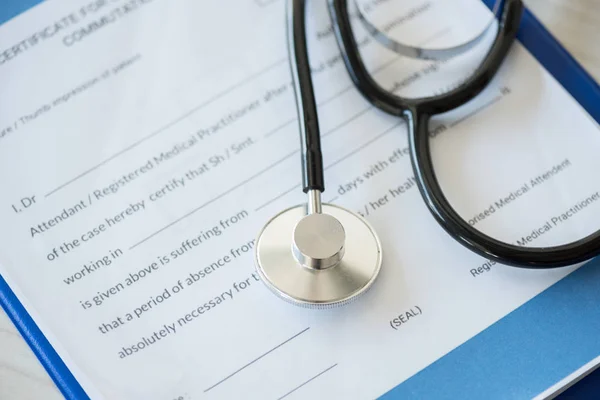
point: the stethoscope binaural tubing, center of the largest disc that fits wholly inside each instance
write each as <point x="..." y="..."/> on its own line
<point x="417" y="114"/>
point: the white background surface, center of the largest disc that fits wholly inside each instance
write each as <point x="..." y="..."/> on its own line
<point x="576" y="23"/>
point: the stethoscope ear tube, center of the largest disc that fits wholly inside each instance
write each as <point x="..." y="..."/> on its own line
<point x="362" y="79"/>
<point x="310" y="137"/>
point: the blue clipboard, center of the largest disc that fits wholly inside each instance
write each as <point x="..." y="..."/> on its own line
<point x="530" y="336"/>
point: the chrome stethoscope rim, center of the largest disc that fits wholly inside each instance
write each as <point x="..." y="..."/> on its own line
<point x="313" y="288"/>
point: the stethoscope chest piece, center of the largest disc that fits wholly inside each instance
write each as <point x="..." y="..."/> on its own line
<point x="318" y="260"/>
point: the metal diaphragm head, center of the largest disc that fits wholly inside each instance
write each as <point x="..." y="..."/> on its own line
<point x="318" y="260"/>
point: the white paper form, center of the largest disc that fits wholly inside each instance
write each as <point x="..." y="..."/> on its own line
<point x="145" y="143"/>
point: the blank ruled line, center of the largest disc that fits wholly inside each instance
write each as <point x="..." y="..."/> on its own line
<point x="280" y="127"/>
<point x="437" y="35"/>
<point x="306" y="382"/>
<point x="376" y="138"/>
<point x="264" y="3"/>
<point x="346" y="122"/>
<point x="477" y="111"/>
<point x="278" y="197"/>
<point x="385" y="65"/>
<point x="255" y="360"/>
<point x="335" y="96"/>
<point x="274" y="199"/>
<point x="231" y="189"/>
<point x="169" y="125"/>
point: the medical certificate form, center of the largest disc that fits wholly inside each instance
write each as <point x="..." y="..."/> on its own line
<point x="144" y="143"/>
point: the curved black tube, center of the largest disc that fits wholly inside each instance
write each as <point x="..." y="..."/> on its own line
<point x="418" y="112"/>
<point x="362" y="79"/>
<point x="507" y="31"/>
<point x="396" y="105"/>
<point x="476" y="241"/>
<point x="310" y="137"/>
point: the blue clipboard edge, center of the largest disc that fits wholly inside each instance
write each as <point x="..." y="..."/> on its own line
<point x="11" y="8"/>
<point x="560" y="63"/>
<point x="532" y="34"/>
<point x="53" y="364"/>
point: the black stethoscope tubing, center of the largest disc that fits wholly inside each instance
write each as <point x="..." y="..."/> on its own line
<point x="417" y="114"/>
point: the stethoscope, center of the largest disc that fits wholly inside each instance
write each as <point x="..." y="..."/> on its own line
<point x="322" y="255"/>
